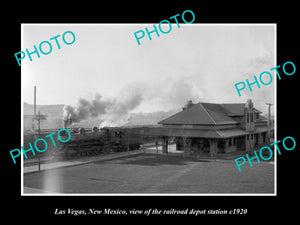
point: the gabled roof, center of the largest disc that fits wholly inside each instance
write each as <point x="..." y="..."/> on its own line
<point x="218" y="113"/>
<point x="201" y="113"/>
<point x="234" y="109"/>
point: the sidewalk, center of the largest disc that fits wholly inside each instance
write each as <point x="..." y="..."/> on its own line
<point x="80" y="161"/>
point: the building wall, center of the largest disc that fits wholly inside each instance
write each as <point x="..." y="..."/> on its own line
<point x="249" y="139"/>
<point x="203" y="145"/>
<point x="240" y="143"/>
<point x="230" y="145"/>
<point x="249" y="116"/>
<point x="241" y="120"/>
<point x="255" y="141"/>
<point x="247" y="122"/>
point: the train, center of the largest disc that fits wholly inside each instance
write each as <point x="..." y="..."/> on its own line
<point x="97" y="141"/>
<point x="87" y="141"/>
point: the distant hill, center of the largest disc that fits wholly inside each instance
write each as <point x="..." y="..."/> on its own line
<point x="148" y="118"/>
<point x="50" y="110"/>
<point x="54" y="117"/>
<point x="53" y="114"/>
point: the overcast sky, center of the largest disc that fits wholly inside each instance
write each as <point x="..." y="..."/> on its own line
<point x="198" y="62"/>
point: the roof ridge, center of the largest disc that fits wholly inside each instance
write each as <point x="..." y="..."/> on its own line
<point x="175" y="114"/>
<point x="207" y="113"/>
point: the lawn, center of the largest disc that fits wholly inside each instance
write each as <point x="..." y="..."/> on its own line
<point x="156" y="174"/>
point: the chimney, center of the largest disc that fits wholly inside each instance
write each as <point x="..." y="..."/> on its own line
<point x="249" y="104"/>
<point x="188" y="104"/>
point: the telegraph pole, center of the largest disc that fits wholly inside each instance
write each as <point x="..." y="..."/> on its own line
<point x="34" y="109"/>
<point x="39" y="132"/>
<point x="269" y="120"/>
<point x="37" y="127"/>
<point x="34" y="101"/>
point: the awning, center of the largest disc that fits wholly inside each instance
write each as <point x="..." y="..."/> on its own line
<point x="180" y="132"/>
<point x="198" y="133"/>
<point x="261" y="129"/>
<point x="228" y="133"/>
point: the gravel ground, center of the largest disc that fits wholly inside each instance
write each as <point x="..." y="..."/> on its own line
<point x="156" y="174"/>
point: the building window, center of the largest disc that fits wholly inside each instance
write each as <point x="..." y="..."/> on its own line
<point x="247" y="137"/>
<point x="233" y="141"/>
<point x="251" y="118"/>
<point x="229" y="142"/>
<point x="247" y="117"/>
<point x="257" y="115"/>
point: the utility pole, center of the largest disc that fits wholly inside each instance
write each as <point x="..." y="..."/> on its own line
<point x="269" y="120"/>
<point x="34" y="101"/>
<point x="37" y="127"/>
<point x="39" y="132"/>
<point x="38" y="118"/>
<point x="34" y="109"/>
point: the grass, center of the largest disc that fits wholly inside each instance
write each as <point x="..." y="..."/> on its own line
<point x="156" y="174"/>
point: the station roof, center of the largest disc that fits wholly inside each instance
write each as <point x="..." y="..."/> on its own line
<point x="234" y="109"/>
<point x="202" y="113"/>
<point x="207" y="114"/>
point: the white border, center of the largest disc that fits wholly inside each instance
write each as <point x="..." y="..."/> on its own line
<point x="156" y="194"/>
<point x="275" y="113"/>
<point x="22" y="122"/>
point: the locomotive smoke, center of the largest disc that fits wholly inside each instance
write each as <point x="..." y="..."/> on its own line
<point x="84" y="110"/>
<point x="115" y="112"/>
<point x="110" y="111"/>
<point x="118" y="112"/>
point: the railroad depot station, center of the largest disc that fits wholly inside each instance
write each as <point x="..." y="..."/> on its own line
<point x="214" y="128"/>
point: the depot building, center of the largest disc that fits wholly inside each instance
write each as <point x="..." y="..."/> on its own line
<point x="213" y="128"/>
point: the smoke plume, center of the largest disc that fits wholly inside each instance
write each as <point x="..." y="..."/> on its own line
<point x="112" y="112"/>
<point x="84" y="110"/>
<point x="118" y="113"/>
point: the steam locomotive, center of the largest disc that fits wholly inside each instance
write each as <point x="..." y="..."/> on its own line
<point x="99" y="141"/>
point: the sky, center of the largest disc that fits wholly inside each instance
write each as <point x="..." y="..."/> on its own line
<point x="201" y="62"/>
